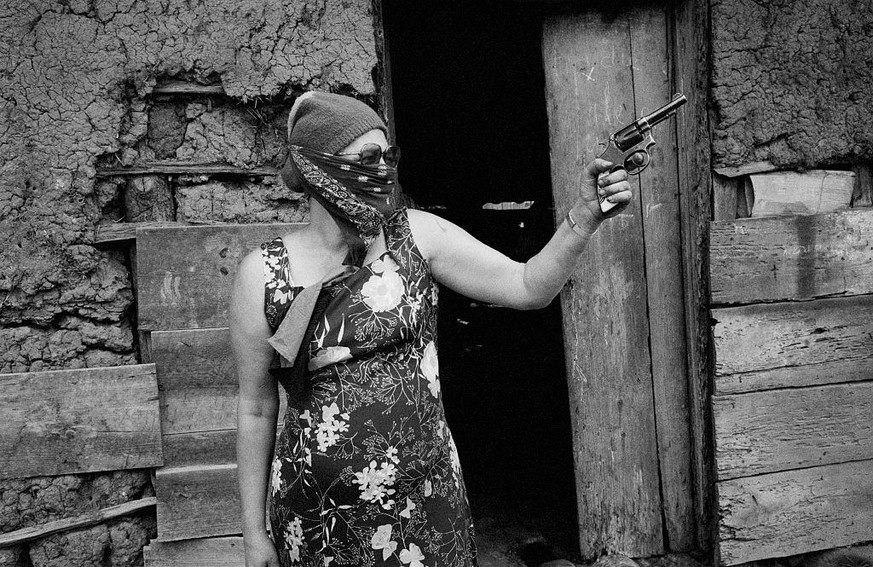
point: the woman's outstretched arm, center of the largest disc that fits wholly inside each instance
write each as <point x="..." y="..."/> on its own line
<point x="476" y="270"/>
<point x="257" y="409"/>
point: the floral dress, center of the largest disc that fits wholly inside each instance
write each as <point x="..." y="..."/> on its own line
<point x="365" y="471"/>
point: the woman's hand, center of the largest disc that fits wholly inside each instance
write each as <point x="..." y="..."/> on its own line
<point x="260" y="551"/>
<point x="597" y="181"/>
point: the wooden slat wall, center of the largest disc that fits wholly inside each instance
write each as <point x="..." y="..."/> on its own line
<point x="184" y="274"/>
<point x="793" y="383"/>
<point x="184" y="288"/>
<point x="634" y="476"/>
<point x="197" y="491"/>
<point x="76" y="421"/>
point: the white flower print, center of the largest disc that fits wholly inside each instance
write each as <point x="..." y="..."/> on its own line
<point x="456" y="461"/>
<point x="375" y="483"/>
<point x="410" y="506"/>
<point x="294" y="539"/>
<point x="412" y="555"/>
<point x="276" y="479"/>
<point x="391" y="454"/>
<point x="329" y="355"/>
<point x="383" y="292"/>
<point x="382" y="540"/>
<point x="430" y="368"/>
<point x="428" y="488"/>
<point x="330" y="426"/>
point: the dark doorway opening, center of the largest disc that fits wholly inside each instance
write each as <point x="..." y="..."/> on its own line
<point x="470" y="116"/>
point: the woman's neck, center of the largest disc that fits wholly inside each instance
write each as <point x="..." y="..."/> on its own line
<point x="323" y="229"/>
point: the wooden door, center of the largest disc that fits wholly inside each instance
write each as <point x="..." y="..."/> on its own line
<point x="624" y="309"/>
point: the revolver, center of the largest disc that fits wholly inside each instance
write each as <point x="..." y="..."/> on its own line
<point x="628" y="148"/>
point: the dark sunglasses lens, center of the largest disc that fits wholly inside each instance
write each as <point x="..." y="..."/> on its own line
<point x="371" y="154"/>
<point x="392" y="155"/>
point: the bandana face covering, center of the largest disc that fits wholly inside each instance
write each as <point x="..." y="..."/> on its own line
<point x="359" y="197"/>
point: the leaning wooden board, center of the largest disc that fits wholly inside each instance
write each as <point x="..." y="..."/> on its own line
<point x="793" y="512"/>
<point x="184" y="275"/>
<point x="76" y="421"/>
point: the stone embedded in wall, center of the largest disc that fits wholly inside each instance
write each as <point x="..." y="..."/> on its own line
<point x="148" y="198"/>
<point x="791" y="82"/>
<point x="239" y="202"/>
<point x="166" y="129"/>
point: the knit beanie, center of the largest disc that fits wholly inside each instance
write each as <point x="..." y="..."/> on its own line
<point x="329" y="122"/>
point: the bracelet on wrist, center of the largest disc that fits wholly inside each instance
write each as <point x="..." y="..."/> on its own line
<point x="574" y="225"/>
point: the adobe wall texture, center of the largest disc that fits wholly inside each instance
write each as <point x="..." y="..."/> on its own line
<point x="77" y="96"/>
<point x="791" y="82"/>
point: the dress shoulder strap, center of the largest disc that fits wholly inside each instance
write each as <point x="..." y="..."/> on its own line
<point x="401" y="244"/>
<point x="279" y="290"/>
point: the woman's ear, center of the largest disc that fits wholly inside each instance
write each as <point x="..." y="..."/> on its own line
<point x="291" y="176"/>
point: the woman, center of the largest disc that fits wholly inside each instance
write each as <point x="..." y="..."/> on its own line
<point x="365" y="471"/>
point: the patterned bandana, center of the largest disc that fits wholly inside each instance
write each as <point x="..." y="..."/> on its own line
<point x="359" y="197"/>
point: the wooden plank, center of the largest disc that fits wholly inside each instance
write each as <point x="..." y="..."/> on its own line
<point x="198" y="501"/>
<point x="76" y="421"/>
<point x="724" y="197"/>
<point x="791" y="258"/>
<point x="777" y="430"/>
<point x="792" y="193"/>
<point x="762" y="337"/>
<point x="185" y="274"/>
<point x="746" y="169"/>
<point x="589" y="86"/>
<point x="197" y="380"/>
<point x="691" y="49"/>
<point x="200" y="448"/>
<point x="84" y="520"/>
<point x="114" y="232"/>
<point x="174" y="167"/>
<point x="794" y="512"/>
<point x="829" y="372"/>
<point x="862" y="194"/>
<point x="186" y="88"/>
<point x="663" y="256"/>
<point x="209" y="552"/>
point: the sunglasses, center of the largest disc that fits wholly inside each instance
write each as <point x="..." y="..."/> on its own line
<point x="372" y="154"/>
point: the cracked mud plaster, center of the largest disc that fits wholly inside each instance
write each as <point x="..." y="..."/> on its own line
<point x="791" y="82"/>
<point x="73" y="75"/>
<point x="35" y="501"/>
<point x="237" y="202"/>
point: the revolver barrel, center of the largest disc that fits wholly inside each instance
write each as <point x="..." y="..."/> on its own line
<point x="664" y="112"/>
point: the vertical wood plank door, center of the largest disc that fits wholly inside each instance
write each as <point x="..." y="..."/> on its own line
<point x="624" y="317"/>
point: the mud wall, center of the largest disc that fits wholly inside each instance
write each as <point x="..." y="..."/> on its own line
<point x="791" y="82"/>
<point x="91" y="134"/>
